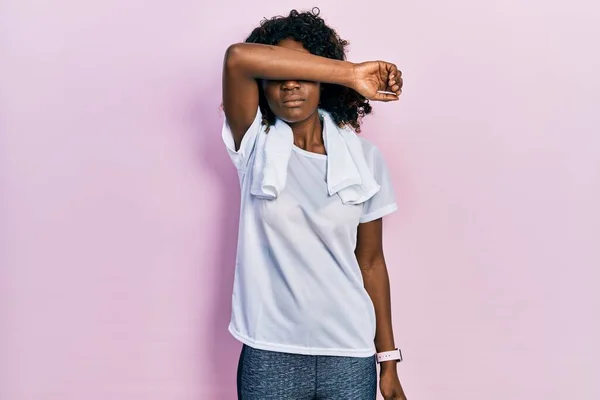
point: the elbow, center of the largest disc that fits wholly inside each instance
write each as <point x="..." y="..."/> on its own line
<point x="371" y="265"/>
<point x="233" y="55"/>
<point x="365" y="266"/>
<point x="367" y="269"/>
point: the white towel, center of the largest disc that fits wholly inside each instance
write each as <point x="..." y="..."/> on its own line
<point x="348" y="174"/>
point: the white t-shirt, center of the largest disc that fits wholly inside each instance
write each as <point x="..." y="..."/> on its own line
<point x="298" y="287"/>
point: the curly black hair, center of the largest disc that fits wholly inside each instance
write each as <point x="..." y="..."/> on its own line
<point x="345" y="105"/>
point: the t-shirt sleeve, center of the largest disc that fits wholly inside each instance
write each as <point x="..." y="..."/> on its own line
<point x="384" y="201"/>
<point x="241" y="156"/>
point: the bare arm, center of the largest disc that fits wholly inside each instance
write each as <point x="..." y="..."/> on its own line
<point x="369" y="253"/>
<point x="246" y="62"/>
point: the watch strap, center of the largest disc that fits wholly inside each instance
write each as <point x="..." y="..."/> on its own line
<point x="391" y="355"/>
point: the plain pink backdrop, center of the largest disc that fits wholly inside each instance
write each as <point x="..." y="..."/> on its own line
<point x="119" y="207"/>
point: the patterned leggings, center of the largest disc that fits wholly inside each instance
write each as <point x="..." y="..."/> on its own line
<point x="268" y="375"/>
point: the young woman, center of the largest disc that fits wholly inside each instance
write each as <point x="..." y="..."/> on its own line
<point x="311" y="297"/>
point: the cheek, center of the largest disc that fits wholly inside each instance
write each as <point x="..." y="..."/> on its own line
<point x="270" y="94"/>
<point x="270" y="89"/>
<point x="314" y="94"/>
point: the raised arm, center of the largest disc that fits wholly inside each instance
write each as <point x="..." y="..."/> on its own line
<point x="246" y="63"/>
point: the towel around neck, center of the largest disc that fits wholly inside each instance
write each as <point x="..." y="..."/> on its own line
<point x="348" y="174"/>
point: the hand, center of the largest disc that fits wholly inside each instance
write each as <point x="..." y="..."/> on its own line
<point x="390" y="386"/>
<point x="371" y="76"/>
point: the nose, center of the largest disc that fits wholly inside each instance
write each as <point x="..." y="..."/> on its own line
<point x="290" y="85"/>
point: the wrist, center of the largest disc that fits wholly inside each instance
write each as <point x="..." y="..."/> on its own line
<point x="350" y="81"/>
<point x="388" y="367"/>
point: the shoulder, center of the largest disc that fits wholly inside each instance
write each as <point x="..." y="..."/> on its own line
<point x="372" y="153"/>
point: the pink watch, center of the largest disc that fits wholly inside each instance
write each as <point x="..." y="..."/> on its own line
<point x="389" y="356"/>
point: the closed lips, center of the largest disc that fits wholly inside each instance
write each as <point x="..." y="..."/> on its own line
<point x="289" y="99"/>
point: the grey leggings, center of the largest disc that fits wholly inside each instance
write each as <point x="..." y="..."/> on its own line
<point x="267" y="375"/>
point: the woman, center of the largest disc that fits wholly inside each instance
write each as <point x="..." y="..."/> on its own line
<point x="311" y="299"/>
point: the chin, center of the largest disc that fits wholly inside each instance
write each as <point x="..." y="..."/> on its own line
<point x="294" y="115"/>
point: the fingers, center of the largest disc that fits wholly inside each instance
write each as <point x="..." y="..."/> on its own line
<point x="395" y="81"/>
<point x="385" y="96"/>
<point x="389" y="83"/>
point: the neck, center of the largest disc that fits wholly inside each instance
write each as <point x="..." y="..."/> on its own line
<point x="308" y="134"/>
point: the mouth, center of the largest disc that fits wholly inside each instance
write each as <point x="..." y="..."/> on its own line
<point x="293" y="102"/>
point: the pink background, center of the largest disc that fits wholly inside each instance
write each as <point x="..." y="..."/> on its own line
<point x="119" y="207"/>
